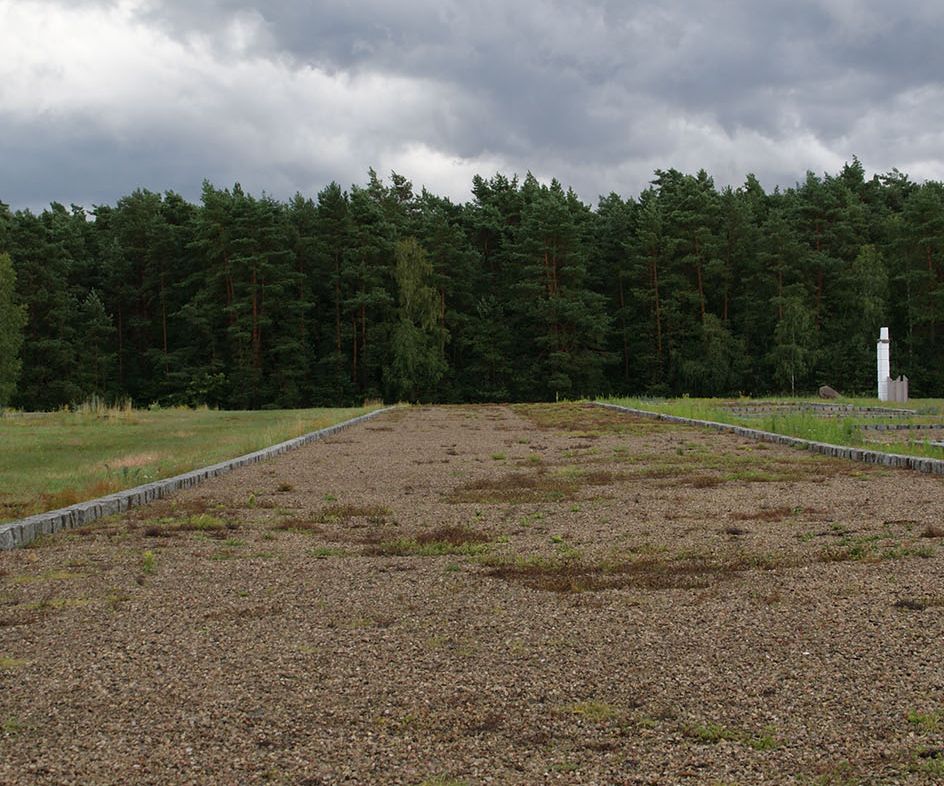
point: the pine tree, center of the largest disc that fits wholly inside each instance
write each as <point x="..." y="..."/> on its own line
<point x="12" y="322"/>
<point x="97" y="332"/>
<point x="561" y="322"/>
<point x="647" y="262"/>
<point x="330" y="279"/>
<point x="38" y="247"/>
<point x="368" y="283"/>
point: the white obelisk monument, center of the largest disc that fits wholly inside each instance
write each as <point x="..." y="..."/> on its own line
<point x="884" y="369"/>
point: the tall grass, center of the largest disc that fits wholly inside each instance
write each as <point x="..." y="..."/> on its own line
<point x="50" y="460"/>
<point x="805" y="424"/>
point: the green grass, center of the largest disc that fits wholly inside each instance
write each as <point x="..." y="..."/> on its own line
<point x="593" y="711"/>
<point x="410" y="547"/>
<point x="51" y="460"/>
<point x="929" y="722"/>
<point x="713" y="733"/>
<point x="805" y="425"/>
<point x="11" y="726"/>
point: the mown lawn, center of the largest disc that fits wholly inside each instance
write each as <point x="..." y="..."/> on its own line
<point x="50" y="460"/>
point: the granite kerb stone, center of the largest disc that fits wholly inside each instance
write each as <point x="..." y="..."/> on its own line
<point x="899" y="460"/>
<point x="900" y="426"/>
<point x="15" y="534"/>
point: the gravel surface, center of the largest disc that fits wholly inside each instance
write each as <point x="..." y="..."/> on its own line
<point x="473" y="595"/>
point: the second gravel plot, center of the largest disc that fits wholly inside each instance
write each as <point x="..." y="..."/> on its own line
<point x="490" y="594"/>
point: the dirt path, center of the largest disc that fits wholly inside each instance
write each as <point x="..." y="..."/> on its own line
<point x="479" y="595"/>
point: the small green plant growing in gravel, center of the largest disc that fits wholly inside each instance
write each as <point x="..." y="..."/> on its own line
<point x="763" y="742"/>
<point x="596" y="711"/>
<point x="498" y="456"/>
<point x="711" y="733"/>
<point x="929" y="722"/>
<point x="411" y="547"/>
<point x="330" y="498"/>
<point x="929" y="761"/>
<point x="566" y="766"/>
<point x="919" y="604"/>
<point x="284" y="487"/>
<point x="11" y="663"/>
<point x="251" y="502"/>
<point x="200" y="523"/>
<point x="147" y="562"/>
<point x="11" y="726"/>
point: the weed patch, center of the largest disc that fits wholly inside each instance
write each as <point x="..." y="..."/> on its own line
<point x="587" y="420"/>
<point x="517" y="488"/>
<point x="206" y="523"/>
<point x="594" y="711"/>
<point x="342" y="514"/>
<point x="927" y="722"/>
<point x="434" y="543"/>
<point x="305" y="526"/>
<point x="713" y="733"/>
<point x="871" y="548"/>
<point x="49" y="575"/>
<point x="12" y="726"/>
<point x="919" y="604"/>
<point x="929" y="761"/>
<point x="569" y="573"/>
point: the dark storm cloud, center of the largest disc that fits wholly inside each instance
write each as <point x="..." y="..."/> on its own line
<point x="597" y="93"/>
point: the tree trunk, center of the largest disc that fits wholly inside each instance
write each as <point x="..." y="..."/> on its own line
<point x="121" y="349"/>
<point x="354" y="349"/>
<point x="622" y="304"/>
<point x="654" y="271"/>
<point x="163" y="317"/>
<point x="256" y="337"/>
<point x="337" y="304"/>
<point x="701" y="284"/>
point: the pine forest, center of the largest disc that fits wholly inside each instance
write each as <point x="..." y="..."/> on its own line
<point x="524" y="293"/>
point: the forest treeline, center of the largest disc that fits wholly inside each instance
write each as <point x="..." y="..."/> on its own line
<point x="523" y="293"/>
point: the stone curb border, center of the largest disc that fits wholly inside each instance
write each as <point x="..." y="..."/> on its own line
<point x="15" y="534"/>
<point x="900" y="426"/>
<point x="816" y="406"/>
<point x="930" y="466"/>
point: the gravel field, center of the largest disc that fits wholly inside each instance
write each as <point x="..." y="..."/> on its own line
<point x="490" y="595"/>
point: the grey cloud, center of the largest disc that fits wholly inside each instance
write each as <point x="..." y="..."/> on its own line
<point x="598" y="89"/>
<point x="742" y="63"/>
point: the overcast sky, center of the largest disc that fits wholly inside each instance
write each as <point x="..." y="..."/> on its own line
<point x="99" y="97"/>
